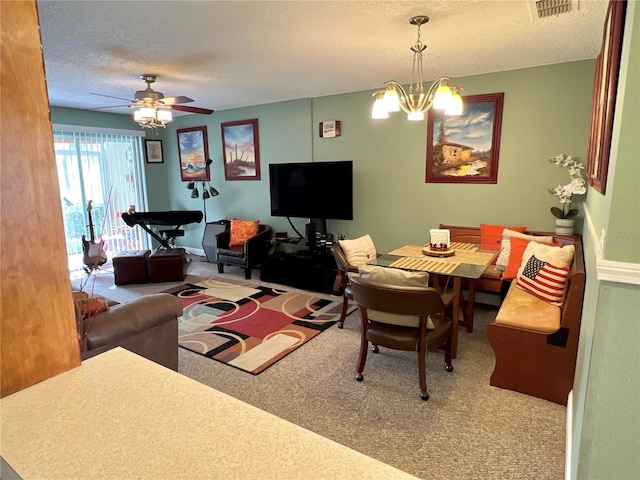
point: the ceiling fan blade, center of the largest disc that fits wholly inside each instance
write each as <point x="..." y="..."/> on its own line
<point x="184" y="108"/>
<point x="174" y="100"/>
<point x="109" y="96"/>
<point x="110" y="106"/>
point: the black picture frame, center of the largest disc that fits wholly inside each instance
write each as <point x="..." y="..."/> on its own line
<point x="153" y="151"/>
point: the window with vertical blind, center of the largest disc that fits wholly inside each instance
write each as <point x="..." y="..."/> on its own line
<point x="103" y="168"/>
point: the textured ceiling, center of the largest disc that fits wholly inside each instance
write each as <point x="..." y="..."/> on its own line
<point x="227" y="54"/>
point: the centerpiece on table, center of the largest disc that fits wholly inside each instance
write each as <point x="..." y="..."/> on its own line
<point x="565" y="216"/>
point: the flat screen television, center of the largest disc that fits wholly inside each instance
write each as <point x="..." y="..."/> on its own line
<point x="316" y="190"/>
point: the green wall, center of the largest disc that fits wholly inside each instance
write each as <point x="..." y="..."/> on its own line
<point x="392" y="202"/>
<point x="546" y="112"/>
<point x="606" y="434"/>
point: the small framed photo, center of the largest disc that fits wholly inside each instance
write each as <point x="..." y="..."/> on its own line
<point x="153" y="151"/>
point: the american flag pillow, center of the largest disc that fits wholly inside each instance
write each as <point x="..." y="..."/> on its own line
<point x="544" y="280"/>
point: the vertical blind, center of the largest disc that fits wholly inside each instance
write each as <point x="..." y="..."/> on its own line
<point x="103" y="168"/>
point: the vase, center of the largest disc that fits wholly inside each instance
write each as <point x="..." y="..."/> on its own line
<point x="564" y="226"/>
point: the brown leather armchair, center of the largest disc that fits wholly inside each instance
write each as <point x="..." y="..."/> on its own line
<point x="251" y="254"/>
<point x="147" y="326"/>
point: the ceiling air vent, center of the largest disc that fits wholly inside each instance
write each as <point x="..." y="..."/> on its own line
<point x="547" y="8"/>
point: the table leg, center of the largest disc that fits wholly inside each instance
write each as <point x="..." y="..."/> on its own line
<point x="457" y="295"/>
<point x="468" y="307"/>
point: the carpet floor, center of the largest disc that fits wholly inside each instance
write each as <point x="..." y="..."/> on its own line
<point x="467" y="429"/>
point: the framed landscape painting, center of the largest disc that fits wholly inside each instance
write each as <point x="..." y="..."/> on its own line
<point x="240" y="149"/>
<point x="465" y="148"/>
<point x="193" y="152"/>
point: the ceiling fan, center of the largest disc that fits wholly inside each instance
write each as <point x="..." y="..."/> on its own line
<point x="156" y="101"/>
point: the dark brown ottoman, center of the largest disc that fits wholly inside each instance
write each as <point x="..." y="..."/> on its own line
<point x="131" y="267"/>
<point x="167" y="265"/>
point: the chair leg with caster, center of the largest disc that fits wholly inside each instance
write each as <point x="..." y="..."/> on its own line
<point x="220" y="268"/>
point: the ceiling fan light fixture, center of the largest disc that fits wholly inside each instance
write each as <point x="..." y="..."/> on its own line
<point x="416" y="102"/>
<point x="164" y="115"/>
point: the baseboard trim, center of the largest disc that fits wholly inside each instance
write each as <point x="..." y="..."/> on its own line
<point x="609" y="270"/>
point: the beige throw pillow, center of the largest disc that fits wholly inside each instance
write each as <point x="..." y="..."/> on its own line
<point x="503" y="257"/>
<point x="359" y="250"/>
<point x="402" y="278"/>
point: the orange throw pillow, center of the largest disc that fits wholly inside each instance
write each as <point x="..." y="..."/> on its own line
<point x="518" y="246"/>
<point x="491" y="236"/>
<point x="242" y="230"/>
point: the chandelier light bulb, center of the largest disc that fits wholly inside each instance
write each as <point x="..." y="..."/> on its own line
<point x="455" y="106"/>
<point x="443" y="97"/>
<point x="391" y="99"/>
<point x="418" y="100"/>
<point x="416" y="116"/>
<point x="379" y="109"/>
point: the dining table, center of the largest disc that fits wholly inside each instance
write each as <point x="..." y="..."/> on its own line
<point x="463" y="261"/>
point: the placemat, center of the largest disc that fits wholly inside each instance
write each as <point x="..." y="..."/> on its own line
<point x="425" y="264"/>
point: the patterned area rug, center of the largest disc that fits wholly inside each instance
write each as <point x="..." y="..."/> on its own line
<point x="246" y="326"/>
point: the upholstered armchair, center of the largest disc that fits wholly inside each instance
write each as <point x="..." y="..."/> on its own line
<point x="250" y="253"/>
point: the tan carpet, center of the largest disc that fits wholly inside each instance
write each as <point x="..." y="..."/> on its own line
<point x="467" y="429"/>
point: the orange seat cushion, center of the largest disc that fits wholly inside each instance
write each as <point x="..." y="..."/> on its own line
<point x="242" y="230"/>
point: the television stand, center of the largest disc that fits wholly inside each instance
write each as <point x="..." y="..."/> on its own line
<point x="300" y="267"/>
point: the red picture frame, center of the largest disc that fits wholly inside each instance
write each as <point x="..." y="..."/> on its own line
<point x="193" y="152"/>
<point x="465" y="148"/>
<point x="605" y="87"/>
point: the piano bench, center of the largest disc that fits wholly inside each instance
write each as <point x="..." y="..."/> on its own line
<point x="131" y="267"/>
<point x="167" y="265"/>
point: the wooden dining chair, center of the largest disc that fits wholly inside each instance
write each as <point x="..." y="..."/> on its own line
<point x="341" y="284"/>
<point x="396" y="317"/>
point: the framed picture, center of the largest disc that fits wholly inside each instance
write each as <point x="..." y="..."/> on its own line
<point x="153" y="151"/>
<point x="193" y="152"/>
<point x="240" y="150"/>
<point x="604" y="96"/>
<point x="465" y="148"/>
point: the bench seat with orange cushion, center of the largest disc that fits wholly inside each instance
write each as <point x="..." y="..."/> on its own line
<point x="536" y="342"/>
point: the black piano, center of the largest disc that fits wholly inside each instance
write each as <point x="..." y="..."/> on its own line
<point x="174" y="218"/>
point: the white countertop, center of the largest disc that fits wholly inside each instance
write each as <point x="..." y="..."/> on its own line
<point x="120" y="416"/>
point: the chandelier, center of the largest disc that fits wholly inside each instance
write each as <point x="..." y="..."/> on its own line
<point x="415" y="103"/>
<point x="152" y="115"/>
